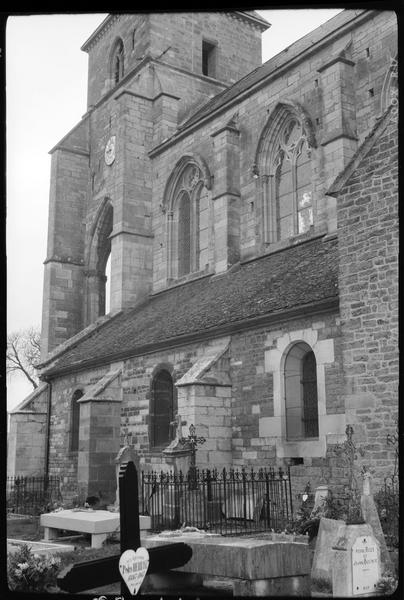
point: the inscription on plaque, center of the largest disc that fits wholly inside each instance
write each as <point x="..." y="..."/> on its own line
<point x="365" y="565"/>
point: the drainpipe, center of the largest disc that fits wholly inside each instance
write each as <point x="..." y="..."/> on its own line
<point x="47" y="444"/>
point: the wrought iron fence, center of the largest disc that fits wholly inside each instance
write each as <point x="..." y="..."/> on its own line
<point x="32" y="495"/>
<point x="228" y="502"/>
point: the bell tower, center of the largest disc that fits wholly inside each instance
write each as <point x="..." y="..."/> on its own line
<point x="146" y="74"/>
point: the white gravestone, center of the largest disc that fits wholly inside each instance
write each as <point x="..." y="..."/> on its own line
<point x="365" y="565"/>
<point x="355" y="562"/>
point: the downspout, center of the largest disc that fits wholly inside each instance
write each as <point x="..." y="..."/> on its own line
<point x="47" y="444"/>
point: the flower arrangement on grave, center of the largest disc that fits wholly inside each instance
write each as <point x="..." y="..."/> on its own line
<point x="387" y="583"/>
<point x="29" y="572"/>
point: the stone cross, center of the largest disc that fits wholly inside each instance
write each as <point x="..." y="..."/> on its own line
<point x="176" y="428"/>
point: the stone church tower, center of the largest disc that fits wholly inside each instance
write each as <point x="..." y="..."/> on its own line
<point x="249" y="213"/>
<point x="147" y="74"/>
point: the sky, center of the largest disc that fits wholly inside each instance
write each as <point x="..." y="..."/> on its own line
<point x="46" y="95"/>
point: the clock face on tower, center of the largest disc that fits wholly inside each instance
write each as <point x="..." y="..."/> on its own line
<point x="109" y="154"/>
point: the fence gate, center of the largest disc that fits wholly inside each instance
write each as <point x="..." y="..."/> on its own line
<point x="230" y="502"/>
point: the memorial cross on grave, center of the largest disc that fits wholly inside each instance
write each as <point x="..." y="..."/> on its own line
<point x="192" y="440"/>
<point x="349" y="452"/>
<point x="96" y="573"/>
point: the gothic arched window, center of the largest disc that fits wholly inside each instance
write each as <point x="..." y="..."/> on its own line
<point x="301" y="402"/>
<point x="117" y="62"/>
<point x="187" y="213"/>
<point x="75" y="420"/>
<point x="98" y="262"/>
<point x="161" y="409"/>
<point x="285" y="176"/>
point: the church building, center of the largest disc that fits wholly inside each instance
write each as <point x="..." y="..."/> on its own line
<point x="249" y="214"/>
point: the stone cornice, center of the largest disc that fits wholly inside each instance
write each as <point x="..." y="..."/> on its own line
<point x="71" y="150"/>
<point x="101" y="30"/>
<point x="254" y="20"/>
<point x="65" y="260"/>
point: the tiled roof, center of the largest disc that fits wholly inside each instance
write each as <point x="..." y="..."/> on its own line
<point x="274" y="63"/>
<point x="297" y="276"/>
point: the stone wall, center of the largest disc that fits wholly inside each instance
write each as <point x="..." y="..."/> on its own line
<point x="368" y="282"/>
<point x="177" y="39"/>
<point x="26" y="438"/>
<point x="339" y="87"/>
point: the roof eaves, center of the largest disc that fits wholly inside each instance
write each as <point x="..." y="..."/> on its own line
<point x="50" y="359"/>
<point x="324" y="305"/>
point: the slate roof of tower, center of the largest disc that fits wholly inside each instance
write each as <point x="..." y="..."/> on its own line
<point x="298" y="276"/>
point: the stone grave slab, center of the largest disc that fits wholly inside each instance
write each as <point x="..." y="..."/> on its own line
<point x="98" y="523"/>
<point x="38" y="547"/>
<point x="254" y="566"/>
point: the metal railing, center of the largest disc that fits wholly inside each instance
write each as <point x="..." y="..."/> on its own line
<point x="32" y="495"/>
<point x="230" y="502"/>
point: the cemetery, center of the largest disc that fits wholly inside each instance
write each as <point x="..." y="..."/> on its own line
<point x="321" y="547"/>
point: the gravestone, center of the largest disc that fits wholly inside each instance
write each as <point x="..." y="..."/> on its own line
<point x="371" y="516"/>
<point x="177" y="456"/>
<point x="126" y="454"/>
<point x="356" y="562"/>
<point x="328" y="533"/>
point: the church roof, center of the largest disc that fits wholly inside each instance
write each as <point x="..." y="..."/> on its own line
<point x="282" y="60"/>
<point x="273" y="287"/>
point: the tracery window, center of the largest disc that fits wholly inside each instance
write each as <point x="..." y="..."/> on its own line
<point x="187" y="221"/>
<point x="285" y="177"/>
<point x="301" y="402"/>
<point x="293" y="195"/>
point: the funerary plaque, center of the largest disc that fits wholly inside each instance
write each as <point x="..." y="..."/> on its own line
<point x="365" y="565"/>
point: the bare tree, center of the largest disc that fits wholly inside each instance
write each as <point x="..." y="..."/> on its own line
<point x="23" y="352"/>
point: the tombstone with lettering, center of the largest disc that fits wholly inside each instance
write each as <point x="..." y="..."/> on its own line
<point x="356" y="565"/>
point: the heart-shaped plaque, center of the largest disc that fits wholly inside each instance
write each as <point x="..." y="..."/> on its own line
<point x="133" y="568"/>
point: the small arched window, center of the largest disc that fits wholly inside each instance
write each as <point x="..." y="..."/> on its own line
<point x="161" y="409"/>
<point x="75" y="421"/>
<point x="117" y="62"/>
<point x="301" y="402"/>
